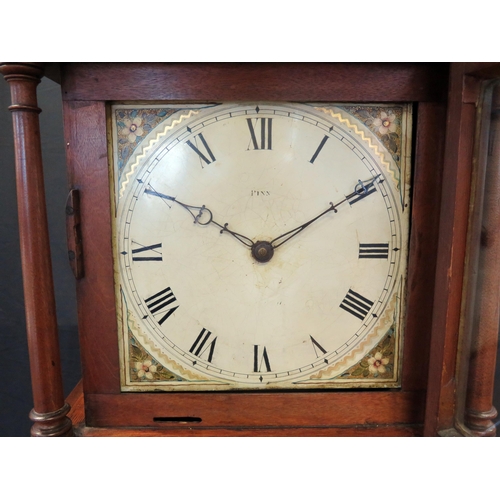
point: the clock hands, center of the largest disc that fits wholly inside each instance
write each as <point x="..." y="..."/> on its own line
<point x="202" y="216"/>
<point x="263" y="251"/>
<point x="361" y="190"/>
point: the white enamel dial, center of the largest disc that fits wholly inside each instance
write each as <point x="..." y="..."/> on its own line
<point x="258" y="245"/>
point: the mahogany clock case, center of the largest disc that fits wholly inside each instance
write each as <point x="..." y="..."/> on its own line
<point x="87" y="90"/>
<point x="85" y="108"/>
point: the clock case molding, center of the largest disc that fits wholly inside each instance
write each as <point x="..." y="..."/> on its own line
<point x="441" y="393"/>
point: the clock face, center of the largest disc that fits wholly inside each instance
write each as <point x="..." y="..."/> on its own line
<point x="259" y="246"/>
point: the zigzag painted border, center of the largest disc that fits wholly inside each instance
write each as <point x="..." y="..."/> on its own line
<point x="152" y="142"/>
<point x="389" y="165"/>
<point x="157" y="352"/>
<point x="333" y="372"/>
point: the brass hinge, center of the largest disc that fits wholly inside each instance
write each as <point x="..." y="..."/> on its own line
<point x="74" y="234"/>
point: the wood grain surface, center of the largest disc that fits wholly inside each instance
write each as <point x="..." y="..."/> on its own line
<point x="355" y="82"/>
<point x="450" y="259"/>
<point x="49" y="412"/>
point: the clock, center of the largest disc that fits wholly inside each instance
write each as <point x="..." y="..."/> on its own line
<point x="263" y="249"/>
<point x="260" y="246"/>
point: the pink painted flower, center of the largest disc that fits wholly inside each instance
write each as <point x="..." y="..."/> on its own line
<point x="385" y="123"/>
<point x="132" y="129"/>
<point x="376" y="364"/>
<point x="145" y="369"/>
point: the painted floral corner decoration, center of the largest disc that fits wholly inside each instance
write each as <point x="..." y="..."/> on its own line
<point x="385" y="123"/>
<point x="378" y="363"/>
<point x="144" y="367"/>
<point x="133" y="125"/>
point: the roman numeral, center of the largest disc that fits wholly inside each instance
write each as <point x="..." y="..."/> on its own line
<point x="198" y="152"/>
<point x="159" y="302"/>
<point x="198" y="348"/>
<point x="259" y="359"/>
<point x="373" y="250"/>
<point x="147" y="249"/>
<point x="317" y="346"/>
<point x="356" y="304"/>
<point x="320" y="147"/>
<point x="266" y="133"/>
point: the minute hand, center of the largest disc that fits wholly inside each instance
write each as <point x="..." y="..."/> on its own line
<point x="361" y="190"/>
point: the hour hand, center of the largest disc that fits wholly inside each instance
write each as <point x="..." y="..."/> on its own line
<point x="201" y="215"/>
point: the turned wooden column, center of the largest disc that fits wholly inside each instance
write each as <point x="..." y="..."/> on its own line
<point x="50" y="410"/>
<point x="480" y="412"/>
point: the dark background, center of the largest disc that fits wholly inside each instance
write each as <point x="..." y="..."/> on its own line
<point x="15" y="392"/>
